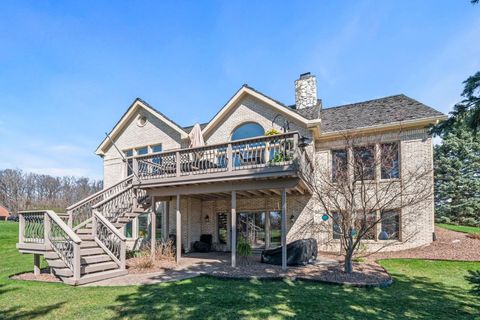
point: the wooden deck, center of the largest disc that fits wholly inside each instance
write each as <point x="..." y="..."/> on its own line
<point x="262" y="163"/>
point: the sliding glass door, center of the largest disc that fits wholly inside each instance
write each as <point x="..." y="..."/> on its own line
<point x="259" y="230"/>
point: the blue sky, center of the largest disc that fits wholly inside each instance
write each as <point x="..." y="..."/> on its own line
<point x="69" y="70"/>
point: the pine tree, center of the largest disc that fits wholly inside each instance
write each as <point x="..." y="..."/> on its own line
<point x="457" y="176"/>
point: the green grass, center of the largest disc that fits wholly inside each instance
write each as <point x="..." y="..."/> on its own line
<point x="464" y="229"/>
<point x="422" y="290"/>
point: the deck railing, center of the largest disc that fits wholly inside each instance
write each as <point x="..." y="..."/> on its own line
<point x="109" y="238"/>
<point x="254" y="153"/>
<point x="46" y="227"/>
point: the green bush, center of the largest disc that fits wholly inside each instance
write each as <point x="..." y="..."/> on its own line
<point x="243" y="248"/>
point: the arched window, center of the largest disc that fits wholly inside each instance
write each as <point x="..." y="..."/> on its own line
<point x="247" y="130"/>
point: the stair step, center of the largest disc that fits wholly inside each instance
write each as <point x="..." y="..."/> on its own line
<point x="95" y="259"/>
<point x="138" y="210"/>
<point x="118" y="225"/>
<point x="96" y="267"/>
<point x="84" y="231"/>
<point x="97" y="276"/>
<point x="91" y="251"/>
<point x="63" y="272"/>
<point x="56" y="263"/>
<point x="51" y="255"/>
<point x="123" y="220"/>
<point x="88" y="244"/>
<point x="87" y="237"/>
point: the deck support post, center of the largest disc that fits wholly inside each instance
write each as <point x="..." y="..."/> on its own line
<point x="153" y="225"/>
<point x="233" y="228"/>
<point x="166" y="221"/>
<point x="179" y="231"/>
<point x="268" y="233"/>
<point x="284" y="229"/>
<point x="36" y="264"/>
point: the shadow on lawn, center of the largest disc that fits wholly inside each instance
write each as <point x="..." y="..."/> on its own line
<point x="205" y="297"/>
<point x="474" y="278"/>
<point x="18" y="312"/>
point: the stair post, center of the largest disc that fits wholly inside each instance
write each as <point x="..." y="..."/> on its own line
<point x="47" y="228"/>
<point x="76" y="262"/>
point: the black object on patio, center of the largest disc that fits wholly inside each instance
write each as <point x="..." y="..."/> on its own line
<point x="205" y="243"/>
<point x="299" y="253"/>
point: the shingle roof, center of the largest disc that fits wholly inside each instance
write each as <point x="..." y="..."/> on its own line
<point x="375" y="112"/>
<point x="189" y="128"/>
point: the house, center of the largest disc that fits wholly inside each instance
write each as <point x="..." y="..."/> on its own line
<point x="4" y="214"/>
<point x="156" y="186"/>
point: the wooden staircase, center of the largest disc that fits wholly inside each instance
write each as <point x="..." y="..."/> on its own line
<point x="90" y="246"/>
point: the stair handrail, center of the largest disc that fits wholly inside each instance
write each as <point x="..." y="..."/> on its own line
<point x="101" y="203"/>
<point x="94" y="199"/>
<point x="79" y="203"/>
<point x="58" y="236"/>
<point x="110" y="239"/>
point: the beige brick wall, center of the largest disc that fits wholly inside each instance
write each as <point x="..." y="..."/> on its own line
<point x="154" y="132"/>
<point x="250" y="110"/>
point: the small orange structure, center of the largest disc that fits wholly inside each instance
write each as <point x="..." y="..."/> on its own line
<point x="4" y="214"/>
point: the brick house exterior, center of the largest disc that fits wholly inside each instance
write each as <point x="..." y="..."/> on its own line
<point x="145" y="130"/>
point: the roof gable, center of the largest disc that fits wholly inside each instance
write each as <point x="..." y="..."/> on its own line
<point x="244" y="91"/>
<point x="125" y="119"/>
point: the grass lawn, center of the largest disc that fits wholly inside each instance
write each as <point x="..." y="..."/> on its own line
<point x="464" y="229"/>
<point x="422" y="290"/>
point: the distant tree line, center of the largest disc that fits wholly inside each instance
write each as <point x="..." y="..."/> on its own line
<point x="26" y="191"/>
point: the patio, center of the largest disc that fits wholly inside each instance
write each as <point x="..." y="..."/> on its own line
<point x="217" y="264"/>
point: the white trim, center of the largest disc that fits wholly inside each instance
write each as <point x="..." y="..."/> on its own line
<point x="123" y="121"/>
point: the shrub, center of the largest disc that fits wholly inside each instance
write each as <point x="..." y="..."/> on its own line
<point x="444" y="219"/>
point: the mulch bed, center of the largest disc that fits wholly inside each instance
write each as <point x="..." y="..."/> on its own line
<point x="365" y="274"/>
<point x="450" y="245"/>
<point x="44" y="276"/>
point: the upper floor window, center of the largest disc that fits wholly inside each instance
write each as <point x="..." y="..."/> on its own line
<point x="156" y="148"/>
<point x="339" y="164"/>
<point x="364" y="157"/>
<point x="129" y="154"/>
<point x="142" y="151"/>
<point x="389" y="163"/>
<point x="247" y="130"/>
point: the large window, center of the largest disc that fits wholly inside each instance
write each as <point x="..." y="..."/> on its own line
<point x="129" y="229"/>
<point x="336" y="229"/>
<point x="142" y="151"/>
<point x="143" y="225"/>
<point x="391" y="224"/>
<point x="129" y="154"/>
<point x="247" y="130"/>
<point x="339" y="165"/>
<point x="222" y="228"/>
<point x="364" y="158"/>
<point x="390" y="164"/>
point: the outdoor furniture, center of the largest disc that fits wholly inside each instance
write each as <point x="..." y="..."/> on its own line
<point x="299" y="252"/>
<point x="205" y="243"/>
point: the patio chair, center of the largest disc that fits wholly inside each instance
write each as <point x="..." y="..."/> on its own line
<point x="205" y="243"/>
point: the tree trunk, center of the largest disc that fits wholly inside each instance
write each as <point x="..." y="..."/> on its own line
<point x="348" y="265"/>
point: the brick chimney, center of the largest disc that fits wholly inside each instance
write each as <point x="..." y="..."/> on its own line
<point x="306" y="91"/>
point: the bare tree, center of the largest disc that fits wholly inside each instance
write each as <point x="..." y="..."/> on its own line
<point x="19" y="190"/>
<point x="363" y="188"/>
